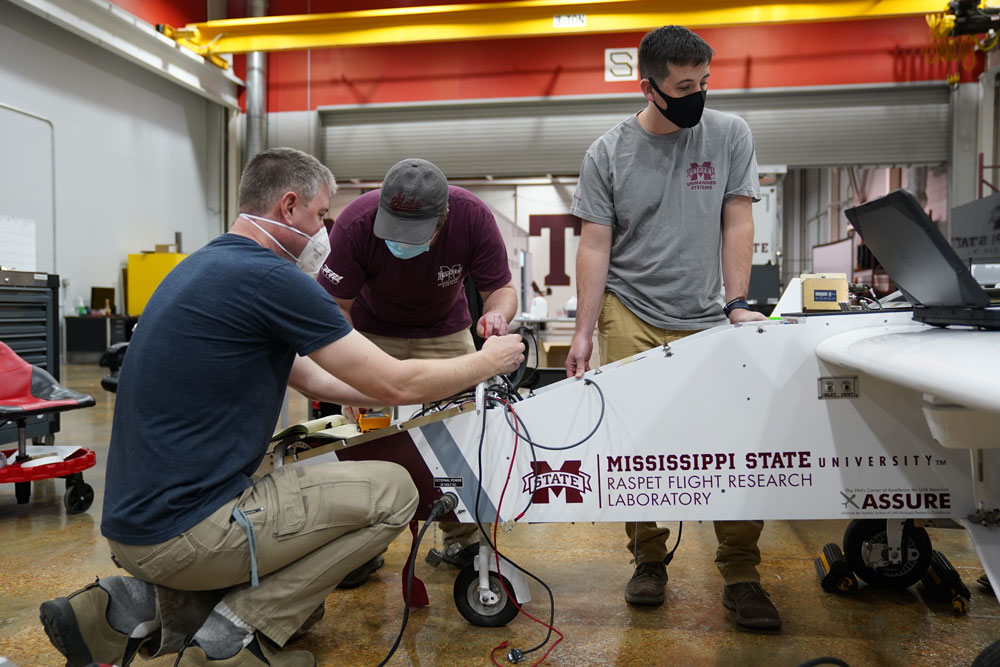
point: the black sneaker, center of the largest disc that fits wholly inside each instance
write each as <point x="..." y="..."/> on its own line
<point x="646" y="587"/>
<point x="359" y="575"/>
<point x="465" y="557"/>
<point x="454" y="554"/>
<point x="752" y="606"/>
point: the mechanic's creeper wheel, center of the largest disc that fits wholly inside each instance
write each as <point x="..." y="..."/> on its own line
<point x="79" y="497"/>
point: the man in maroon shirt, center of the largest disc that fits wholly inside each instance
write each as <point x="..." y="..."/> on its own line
<point x="397" y="267"/>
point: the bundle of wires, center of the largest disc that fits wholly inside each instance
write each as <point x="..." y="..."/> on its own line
<point x="503" y="395"/>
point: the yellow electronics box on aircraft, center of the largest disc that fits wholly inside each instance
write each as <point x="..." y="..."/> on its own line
<point x="823" y="291"/>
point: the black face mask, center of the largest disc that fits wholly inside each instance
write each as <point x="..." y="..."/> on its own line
<point x="681" y="111"/>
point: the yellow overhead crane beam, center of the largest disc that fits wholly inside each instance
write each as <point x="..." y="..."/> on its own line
<point x="516" y="18"/>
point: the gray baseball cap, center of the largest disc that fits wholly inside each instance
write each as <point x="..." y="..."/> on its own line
<point x="413" y="198"/>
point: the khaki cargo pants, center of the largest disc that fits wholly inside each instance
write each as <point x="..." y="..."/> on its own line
<point x="621" y="334"/>
<point x="313" y="525"/>
<point x="437" y="347"/>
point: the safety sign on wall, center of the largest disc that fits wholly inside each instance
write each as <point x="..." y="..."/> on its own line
<point x="621" y="64"/>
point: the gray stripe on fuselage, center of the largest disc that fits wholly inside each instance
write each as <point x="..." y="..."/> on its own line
<point x="455" y="465"/>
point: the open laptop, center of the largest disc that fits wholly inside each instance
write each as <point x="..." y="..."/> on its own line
<point x="921" y="262"/>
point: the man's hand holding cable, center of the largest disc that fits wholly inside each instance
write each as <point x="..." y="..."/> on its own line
<point x="504" y="352"/>
<point x="492" y="324"/>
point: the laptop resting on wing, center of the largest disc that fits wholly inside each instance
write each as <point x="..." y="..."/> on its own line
<point x="921" y="262"/>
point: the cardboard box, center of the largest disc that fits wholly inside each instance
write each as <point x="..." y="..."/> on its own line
<point x="823" y="291"/>
<point x="555" y="354"/>
<point x="166" y="247"/>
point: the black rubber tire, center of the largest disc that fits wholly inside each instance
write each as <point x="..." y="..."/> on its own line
<point x="79" y="497"/>
<point x="904" y="575"/>
<point x="467" y="600"/>
<point x="990" y="657"/>
<point x="22" y="491"/>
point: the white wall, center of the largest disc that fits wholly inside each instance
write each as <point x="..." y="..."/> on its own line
<point x="501" y="201"/>
<point x="137" y="158"/>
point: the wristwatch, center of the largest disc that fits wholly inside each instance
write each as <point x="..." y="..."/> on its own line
<point x="738" y="302"/>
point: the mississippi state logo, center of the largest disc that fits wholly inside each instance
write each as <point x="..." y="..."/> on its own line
<point x="701" y="176"/>
<point x="567" y="482"/>
<point x="449" y="275"/>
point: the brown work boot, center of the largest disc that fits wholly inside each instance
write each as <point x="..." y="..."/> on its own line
<point x="647" y="584"/>
<point x="752" y="606"/>
<point x="259" y="652"/>
<point x="77" y="625"/>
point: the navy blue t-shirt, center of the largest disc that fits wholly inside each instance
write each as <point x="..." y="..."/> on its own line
<point x="201" y="387"/>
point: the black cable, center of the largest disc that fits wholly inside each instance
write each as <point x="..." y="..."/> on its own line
<point x="524" y="378"/>
<point x="443" y="404"/>
<point x="439" y="507"/>
<point x="509" y="394"/>
<point x="479" y="488"/>
<point x="509" y="390"/>
<point x="534" y="459"/>
<point x="585" y="438"/>
<point x="670" y="556"/>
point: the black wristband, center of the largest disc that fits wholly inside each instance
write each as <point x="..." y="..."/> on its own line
<point x="738" y="302"/>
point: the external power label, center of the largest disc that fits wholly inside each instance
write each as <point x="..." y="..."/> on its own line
<point x="456" y="482"/>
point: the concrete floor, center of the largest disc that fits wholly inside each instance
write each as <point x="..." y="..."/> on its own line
<point x="46" y="554"/>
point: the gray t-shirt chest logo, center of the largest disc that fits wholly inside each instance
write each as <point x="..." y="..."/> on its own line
<point x="701" y="176"/>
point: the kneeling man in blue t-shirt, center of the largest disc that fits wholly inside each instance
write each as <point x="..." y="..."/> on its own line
<point x="238" y="565"/>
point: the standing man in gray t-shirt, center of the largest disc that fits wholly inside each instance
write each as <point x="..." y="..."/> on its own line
<point x="665" y="198"/>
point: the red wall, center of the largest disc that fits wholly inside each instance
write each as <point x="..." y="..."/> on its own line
<point x="765" y="56"/>
<point x="173" y="12"/>
<point x="816" y="54"/>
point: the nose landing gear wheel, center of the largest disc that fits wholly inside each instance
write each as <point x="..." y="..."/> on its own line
<point x="866" y="550"/>
<point x="473" y="609"/>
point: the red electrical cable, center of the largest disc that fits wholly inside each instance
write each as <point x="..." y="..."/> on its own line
<point x="496" y="552"/>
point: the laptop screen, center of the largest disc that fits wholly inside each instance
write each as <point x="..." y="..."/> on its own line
<point x="914" y="253"/>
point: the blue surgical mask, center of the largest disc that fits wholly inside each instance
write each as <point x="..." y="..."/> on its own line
<point x="405" y="250"/>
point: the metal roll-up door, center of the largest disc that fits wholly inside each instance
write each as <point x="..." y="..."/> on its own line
<point x="870" y="125"/>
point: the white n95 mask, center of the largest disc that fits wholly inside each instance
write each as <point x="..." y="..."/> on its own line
<point x="313" y="254"/>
